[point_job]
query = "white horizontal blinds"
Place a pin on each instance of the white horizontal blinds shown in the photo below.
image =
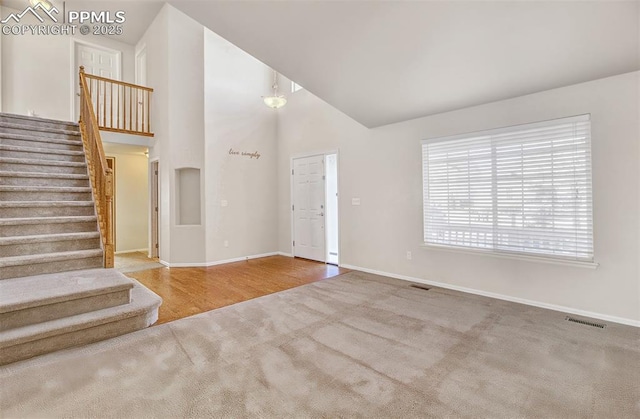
(543, 191)
(524, 189)
(458, 194)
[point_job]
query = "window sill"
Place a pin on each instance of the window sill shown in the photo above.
(527, 258)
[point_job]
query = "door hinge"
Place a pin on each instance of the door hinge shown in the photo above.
(156, 172)
(156, 245)
(293, 207)
(323, 177)
(294, 243)
(156, 209)
(291, 172)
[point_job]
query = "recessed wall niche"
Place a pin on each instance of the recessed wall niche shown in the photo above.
(188, 196)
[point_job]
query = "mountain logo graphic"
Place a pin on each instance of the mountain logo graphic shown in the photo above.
(34, 11)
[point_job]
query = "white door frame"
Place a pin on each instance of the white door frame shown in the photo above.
(327, 255)
(74, 69)
(139, 52)
(291, 200)
(154, 196)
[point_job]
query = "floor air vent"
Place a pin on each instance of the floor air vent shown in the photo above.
(586, 323)
(420, 287)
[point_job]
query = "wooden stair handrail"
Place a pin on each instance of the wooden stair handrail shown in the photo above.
(120, 106)
(100, 175)
(121, 83)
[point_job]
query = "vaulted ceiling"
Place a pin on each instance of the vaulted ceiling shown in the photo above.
(382, 62)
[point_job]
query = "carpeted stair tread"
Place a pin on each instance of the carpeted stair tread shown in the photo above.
(75, 176)
(43, 238)
(48, 257)
(35, 119)
(36, 204)
(39, 290)
(20, 188)
(39, 139)
(47, 220)
(40, 150)
(62, 207)
(143, 302)
(32, 128)
(40, 162)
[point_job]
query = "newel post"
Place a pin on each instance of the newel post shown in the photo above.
(108, 247)
(81, 76)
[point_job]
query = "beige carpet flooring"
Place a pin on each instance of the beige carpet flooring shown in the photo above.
(358, 345)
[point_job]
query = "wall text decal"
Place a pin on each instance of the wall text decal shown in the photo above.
(254, 155)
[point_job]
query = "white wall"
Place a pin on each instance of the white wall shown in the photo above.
(185, 147)
(383, 167)
(175, 66)
(236, 118)
(132, 200)
(207, 100)
(1, 37)
(37, 72)
(156, 40)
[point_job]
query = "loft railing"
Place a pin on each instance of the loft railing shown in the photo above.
(119, 106)
(101, 176)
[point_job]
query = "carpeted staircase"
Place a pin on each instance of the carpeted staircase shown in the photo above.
(47, 217)
(48, 227)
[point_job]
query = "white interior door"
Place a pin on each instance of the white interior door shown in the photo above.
(309, 208)
(141, 80)
(99, 62)
(141, 67)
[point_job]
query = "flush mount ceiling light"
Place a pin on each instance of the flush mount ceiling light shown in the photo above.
(44, 3)
(275, 101)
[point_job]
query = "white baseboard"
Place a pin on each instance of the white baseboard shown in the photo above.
(289, 255)
(217, 262)
(119, 252)
(606, 317)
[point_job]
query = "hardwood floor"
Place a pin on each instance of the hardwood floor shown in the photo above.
(189, 291)
(135, 261)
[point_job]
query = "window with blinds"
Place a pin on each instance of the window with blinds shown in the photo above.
(523, 190)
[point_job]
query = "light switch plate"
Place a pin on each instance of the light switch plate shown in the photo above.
(224, 203)
(355, 201)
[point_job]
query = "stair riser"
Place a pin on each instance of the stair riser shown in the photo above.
(35, 229)
(10, 119)
(43, 181)
(18, 167)
(48, 247)
(50, 267)
(46, 134)
(30, 212)
(44, 196)
(42, 156)
(63, 309)
(41, 144)
(77, 338)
